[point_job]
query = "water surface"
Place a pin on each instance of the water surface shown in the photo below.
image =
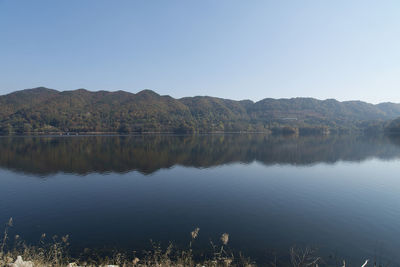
(338, 194)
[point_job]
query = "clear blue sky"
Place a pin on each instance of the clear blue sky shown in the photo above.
(246, 49)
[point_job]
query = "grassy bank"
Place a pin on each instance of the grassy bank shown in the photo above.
(54, 251)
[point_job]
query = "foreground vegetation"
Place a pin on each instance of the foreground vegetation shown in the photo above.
(43, 110)
(53, 252)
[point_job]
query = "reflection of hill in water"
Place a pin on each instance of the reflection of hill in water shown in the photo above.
(147, 154)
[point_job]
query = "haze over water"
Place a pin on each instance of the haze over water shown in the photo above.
(337, 193)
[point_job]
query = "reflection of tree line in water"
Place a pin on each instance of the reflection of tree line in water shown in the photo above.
(148, 153)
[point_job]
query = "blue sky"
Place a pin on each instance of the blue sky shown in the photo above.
(245, 49)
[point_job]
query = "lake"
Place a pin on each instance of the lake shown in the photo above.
(338, 194)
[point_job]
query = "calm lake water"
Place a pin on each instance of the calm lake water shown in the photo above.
(338, 194)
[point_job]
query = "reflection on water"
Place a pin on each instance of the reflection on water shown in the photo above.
(340, 194)
(147, 154)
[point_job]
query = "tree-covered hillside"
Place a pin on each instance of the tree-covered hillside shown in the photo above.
(43, 110)
(393, 127)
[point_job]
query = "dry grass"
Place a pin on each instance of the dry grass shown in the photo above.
(47, 253)
(54, 252)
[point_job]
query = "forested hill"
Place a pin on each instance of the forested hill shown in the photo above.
(393, 127)
(46, 110)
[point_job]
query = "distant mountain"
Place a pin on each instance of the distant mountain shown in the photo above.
(43, 110)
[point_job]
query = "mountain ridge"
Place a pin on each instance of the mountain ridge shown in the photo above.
(48, 110)
(43, 88)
